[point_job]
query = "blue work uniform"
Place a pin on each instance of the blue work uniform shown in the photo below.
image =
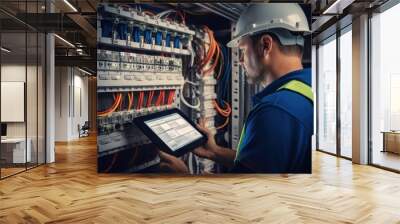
(276, 137)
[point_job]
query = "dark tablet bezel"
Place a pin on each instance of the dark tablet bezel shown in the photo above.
(140, 123)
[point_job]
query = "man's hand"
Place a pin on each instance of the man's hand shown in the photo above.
(172, 164)
(209, 149)
(212, 151)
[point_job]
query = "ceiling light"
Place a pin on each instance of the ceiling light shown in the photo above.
(86, 72)
(331, 7)
(70, 5)
(5, 50)
(65, 41)
(338, 6)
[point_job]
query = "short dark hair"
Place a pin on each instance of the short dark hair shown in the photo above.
(286, 49)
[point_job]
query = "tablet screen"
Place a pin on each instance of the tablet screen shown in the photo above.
(173, 130)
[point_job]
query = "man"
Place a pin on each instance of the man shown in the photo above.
(276, 137)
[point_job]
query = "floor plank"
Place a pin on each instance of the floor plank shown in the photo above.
(70, 191)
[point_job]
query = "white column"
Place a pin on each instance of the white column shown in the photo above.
(360, 90)
(314, 88)
(50, 92)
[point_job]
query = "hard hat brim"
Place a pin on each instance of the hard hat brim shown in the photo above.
(234, 42)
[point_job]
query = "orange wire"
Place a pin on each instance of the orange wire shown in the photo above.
(120, 104)
(209, 71)
(149, 13)
(224, 124)
(130, 96)
(111, 107)
(224, 112)
(211, 49)
(117, 101)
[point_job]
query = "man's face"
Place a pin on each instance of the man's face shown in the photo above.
(251, 60)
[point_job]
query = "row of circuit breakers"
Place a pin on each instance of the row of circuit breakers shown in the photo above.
(140, 67)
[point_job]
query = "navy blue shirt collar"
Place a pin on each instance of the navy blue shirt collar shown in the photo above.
(303, 75)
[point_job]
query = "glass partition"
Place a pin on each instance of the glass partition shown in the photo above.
(22, 88)
(346, 93)
(385, 89)
(327, 96)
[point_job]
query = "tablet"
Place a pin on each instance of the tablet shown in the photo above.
(171, 131)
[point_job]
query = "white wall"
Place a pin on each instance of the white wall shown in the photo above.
(61, 104)
(71, 102)
(13, 73)
(80, 110)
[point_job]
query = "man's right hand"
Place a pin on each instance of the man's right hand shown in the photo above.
(212, 151)
(209, 149)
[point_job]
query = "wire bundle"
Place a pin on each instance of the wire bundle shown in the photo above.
(223, 81)
(223, 85)
(168, 14)
(118, 102)
(212, 55)
(114, 106)
(223, 112)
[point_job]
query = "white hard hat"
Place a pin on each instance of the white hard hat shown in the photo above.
(282, 19)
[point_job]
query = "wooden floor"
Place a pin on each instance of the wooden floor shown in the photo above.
(70, 191)
(10, 171)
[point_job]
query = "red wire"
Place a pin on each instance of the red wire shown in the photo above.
(138, 104)
(160, 99)
(132, 99)
(150, 99)
(163, 97)
(140, 101)
(171, 97)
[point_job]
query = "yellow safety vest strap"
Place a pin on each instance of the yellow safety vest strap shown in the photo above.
(299, 87)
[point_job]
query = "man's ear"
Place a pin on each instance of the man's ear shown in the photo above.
(265, 44)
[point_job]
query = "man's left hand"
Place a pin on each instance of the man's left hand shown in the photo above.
(172, 164)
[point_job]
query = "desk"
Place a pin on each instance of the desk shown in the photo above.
(13, 150)
(391, 141)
